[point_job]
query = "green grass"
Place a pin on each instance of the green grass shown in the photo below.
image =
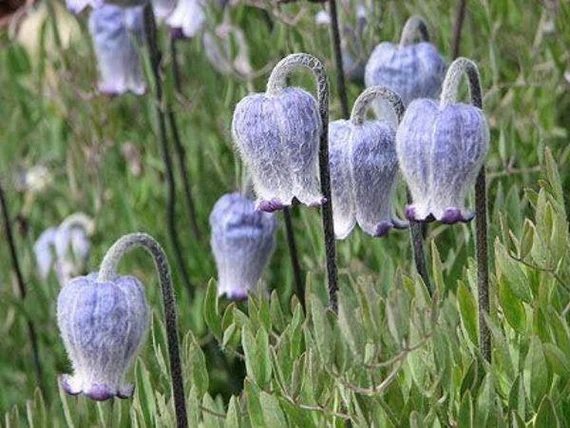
(309, 374)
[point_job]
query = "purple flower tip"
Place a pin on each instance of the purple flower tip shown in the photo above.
(100, 392)
(65, 385)
(383, 228)
(270, 206)
(454, 215)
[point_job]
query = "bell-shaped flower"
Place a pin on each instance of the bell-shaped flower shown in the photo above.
(187, 19)
(242, 241)
(116, 32)
(277, 134)
(412, 70)
(102, 325)
(441, 148)
(364, 169)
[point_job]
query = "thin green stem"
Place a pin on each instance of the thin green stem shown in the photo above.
(108, 271)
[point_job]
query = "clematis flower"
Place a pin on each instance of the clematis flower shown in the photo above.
(412, 70)
(102, 325)
(64, 248)
(441, 149)
(243, 240)
(116, 32)
(364, 168)
(278, 137)
(188, 18)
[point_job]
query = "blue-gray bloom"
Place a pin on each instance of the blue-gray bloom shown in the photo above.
(102, 325)
(242, 240)
(278, 137)
(77, 6)
(364, 169)
(116, 32)
(412, 70)
(188, 18)
(441, 149)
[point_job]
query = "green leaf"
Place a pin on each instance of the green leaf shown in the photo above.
(536, 372)
(527, 239)
(469, 312)
(546, 416)
(511, 273)
(277, 317)
(517, 396)
(437, 269)
(321, 329)
(465, 417)
(144, 393)
(197, 368)
(559, 361)
(552, 175)
(255, 411)
(211, 311)
(272, 412)
(512, 308)
(233, 418)
(257, 356)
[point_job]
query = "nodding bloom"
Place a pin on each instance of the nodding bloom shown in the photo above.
(65, 248)
(364, 169)
(441, 148)
(77, 6)
(243, 240)
(277, 134)
(162, 8)
(412, 70)
(188, 18)
(102, 325)
(116, 32)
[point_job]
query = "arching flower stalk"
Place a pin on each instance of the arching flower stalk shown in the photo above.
(243, 240)
(70, 243)
(364, 169)
(103, 318)
(9, 236)
(116, 31)
(441, 149)
(282, 136)
(412, 70)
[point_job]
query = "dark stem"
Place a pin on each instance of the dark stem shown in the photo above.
(358, 116)
(108, 270)
(21, 286)
(458, 26)
(336, 44)
(154, 53)
(299, 286)
(179, 147)
(276, 82)
(455, 72)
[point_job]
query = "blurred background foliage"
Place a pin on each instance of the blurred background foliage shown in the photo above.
(394, 356)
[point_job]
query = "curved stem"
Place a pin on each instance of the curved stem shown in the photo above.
(459, 19)
(79, 219)
(336, 45)
(150, 30)
(358, 116)
(364, 102)
(449, 95)
(108, 270)
(277, 81)
(414, 27)
(21, 286)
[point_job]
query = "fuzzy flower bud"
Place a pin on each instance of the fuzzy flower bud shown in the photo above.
(441, 148)
(242, 240)
(412, 70)
(102, 325)
(364, 168)
(187, 19)
(115, 32)
(277, 135)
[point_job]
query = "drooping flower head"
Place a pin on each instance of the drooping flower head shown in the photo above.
(116, 32)
(412, 70)
(277, 134)
(364, 168)
(102, 324)
(441, 148)
(188, 18)
(64, 248)
(242, 241)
